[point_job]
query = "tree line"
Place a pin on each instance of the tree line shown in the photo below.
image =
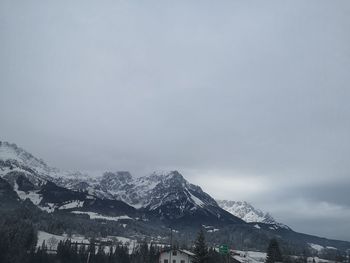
(18, 244)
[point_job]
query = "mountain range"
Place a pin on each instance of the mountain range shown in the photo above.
(144, 207)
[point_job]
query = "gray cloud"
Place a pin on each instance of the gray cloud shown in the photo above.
(254, 95)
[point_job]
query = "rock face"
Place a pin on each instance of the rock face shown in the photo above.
(248, 213)
(166, 195)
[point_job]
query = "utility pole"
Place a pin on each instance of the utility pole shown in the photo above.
(171, 243)
(171, 238)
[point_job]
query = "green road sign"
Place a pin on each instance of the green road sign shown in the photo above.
(223, 249)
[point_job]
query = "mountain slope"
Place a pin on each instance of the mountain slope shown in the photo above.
(248, 213)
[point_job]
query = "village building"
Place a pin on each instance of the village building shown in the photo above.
(176, 256)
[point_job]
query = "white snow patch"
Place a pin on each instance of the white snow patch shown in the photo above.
(187, 252)
(73, 204)
(318, 260)
(213, 230)
(316, 247)
(52, 240)
(33, 196)
(328, 247)
(94, 215)
(49, 207)
(257, 226)
(196, 200)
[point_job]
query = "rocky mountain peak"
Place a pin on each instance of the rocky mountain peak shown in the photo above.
(247, 212)
(120, 177)
(10, 153)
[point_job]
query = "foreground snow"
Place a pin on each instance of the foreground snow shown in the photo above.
(249, 256)
(51, 240)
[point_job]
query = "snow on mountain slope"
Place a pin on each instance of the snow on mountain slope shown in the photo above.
(166, 195)
(15, 160)
(248, 213)
(11, 152)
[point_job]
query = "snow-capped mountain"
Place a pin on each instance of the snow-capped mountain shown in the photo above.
(164, 195)
(148, 191)
(143, 205)
(248, 213)
(32, 179)
(20, 159)
(167, 195)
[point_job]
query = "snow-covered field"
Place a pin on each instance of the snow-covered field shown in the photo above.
(259, 257)
(318, 260)
(94, 215)
(73, 204)
(316, 247)
(249, 256)
(52, 240)
(31, 195)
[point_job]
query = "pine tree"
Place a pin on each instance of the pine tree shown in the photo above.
(200, 248)
(214, 256)
(273, 252)
(17, 239)
(82, 254)
(100, 255)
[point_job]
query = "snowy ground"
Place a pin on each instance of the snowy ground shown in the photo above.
(318, 260)
(259, 257)
(94, 215)
(249, 256)
(52, 240)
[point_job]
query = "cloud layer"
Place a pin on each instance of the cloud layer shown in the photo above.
(248, 100)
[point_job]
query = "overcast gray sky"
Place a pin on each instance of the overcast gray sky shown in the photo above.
(249, 99)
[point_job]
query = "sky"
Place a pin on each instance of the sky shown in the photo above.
(248, 99)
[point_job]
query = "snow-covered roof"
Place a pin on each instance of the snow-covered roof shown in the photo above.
(189, 253)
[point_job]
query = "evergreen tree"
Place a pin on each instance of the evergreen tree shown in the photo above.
(100, 256)
(200, 248)
(153, 254)
(17, 239)
(82, 254)
(144, 253)
(215, 257)
(110, 258)
(40, 256)
(121, 254)
(273, 252)
(91, 251)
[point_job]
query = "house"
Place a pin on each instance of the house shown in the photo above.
(176, 256)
